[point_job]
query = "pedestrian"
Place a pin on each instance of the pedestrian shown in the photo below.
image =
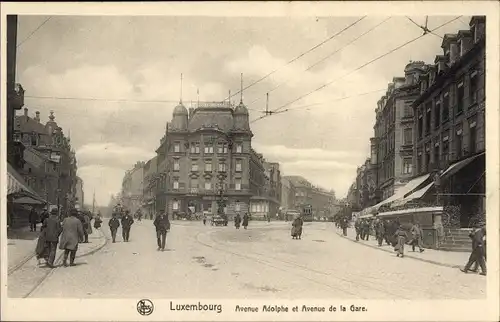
(44, 215)
(237, 221)
(88, 226)
(245, 221)
(297, 228)
(127, 222)
(97, 221)
(204, 219)
(162, 225)
(478, 250)
(268, 218)
(72, 234)
(387, 231)
(113, 224)
(52, 229)
(416, 232)
(366, 229)
(357, 227)
(379, 231)
(344, 223)
(33, 219)
(401, 237)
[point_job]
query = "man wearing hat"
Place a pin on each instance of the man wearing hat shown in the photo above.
(52, 229)
(72, 234)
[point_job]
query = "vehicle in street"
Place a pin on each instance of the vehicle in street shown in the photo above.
(217, 220)
(291, 214)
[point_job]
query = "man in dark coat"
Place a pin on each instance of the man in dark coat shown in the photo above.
(357, 227)
(387, 231)
(127, 222)
(52, 229)
(237, 221)
(343, 224)
(113, 224)
(401, 237)
(379, 231)
(245, 221)
(72, 234)
(33, 219)
(478, 251)
(162, 225)
(366, 229)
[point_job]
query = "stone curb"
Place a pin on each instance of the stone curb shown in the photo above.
(409, 256)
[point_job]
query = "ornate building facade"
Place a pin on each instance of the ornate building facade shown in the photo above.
(205, 150)
(133, 188)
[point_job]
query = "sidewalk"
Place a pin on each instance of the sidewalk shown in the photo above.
(438, 257)
(27, 276)
(21, 244)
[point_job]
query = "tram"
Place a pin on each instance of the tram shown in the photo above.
(307, 213)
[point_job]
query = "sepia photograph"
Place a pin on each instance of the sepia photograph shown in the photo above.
(177, 161)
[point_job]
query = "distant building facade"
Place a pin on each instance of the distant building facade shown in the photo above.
(80, 199)
(287, 194)
(321, 201)
(149, 187)
(132, 188)
(393, 140)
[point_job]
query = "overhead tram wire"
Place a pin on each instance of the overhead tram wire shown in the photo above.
(306, 107)
(425, 28)
(326, 57)
(33, 32)
(299, 56)
(100, 99)
(362, 66)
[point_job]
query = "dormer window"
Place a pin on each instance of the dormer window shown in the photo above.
(473, 31)
(460, 48)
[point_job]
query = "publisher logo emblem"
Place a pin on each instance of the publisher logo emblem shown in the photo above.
(145, 307)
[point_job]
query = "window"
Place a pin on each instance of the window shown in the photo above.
(222, 167)
(239, 148)
(222, 148)
(472, 137)
(176, 165)
(458, 143)
(436, 154)
(407, 136)
(194, 183)
(237, 184)
(209, 148)
(238, 165)
(473, 87)
(446, 106)
(408, 111)
(446, 151)
(437, 114)
(194, 165)
(176, 184)
(208, 165)
(195, 148)
(420, 126)
(407, 166)
(177, 147)
(208, 185)
(428, 118)
(175, 205)
(460, 97)
(34, 140)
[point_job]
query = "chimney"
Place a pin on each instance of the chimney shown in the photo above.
(25, 111)
(37, 116)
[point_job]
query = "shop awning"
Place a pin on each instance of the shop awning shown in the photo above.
(414, 196)
(401, 192)
(19, 189)
(455, 167)
(28, 200)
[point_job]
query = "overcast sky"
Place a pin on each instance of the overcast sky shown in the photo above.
(141, 58)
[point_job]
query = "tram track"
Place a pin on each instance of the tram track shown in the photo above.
(300, 270)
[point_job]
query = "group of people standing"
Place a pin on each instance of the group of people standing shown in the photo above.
(391, 231)
(68, 233)
(238, 221)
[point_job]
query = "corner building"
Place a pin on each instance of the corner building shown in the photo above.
(204, 150)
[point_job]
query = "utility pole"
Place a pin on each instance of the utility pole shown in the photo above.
(93, 203)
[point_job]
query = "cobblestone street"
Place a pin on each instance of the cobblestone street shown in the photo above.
(263, 261)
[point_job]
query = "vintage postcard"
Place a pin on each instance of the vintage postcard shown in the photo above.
(250, 161)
